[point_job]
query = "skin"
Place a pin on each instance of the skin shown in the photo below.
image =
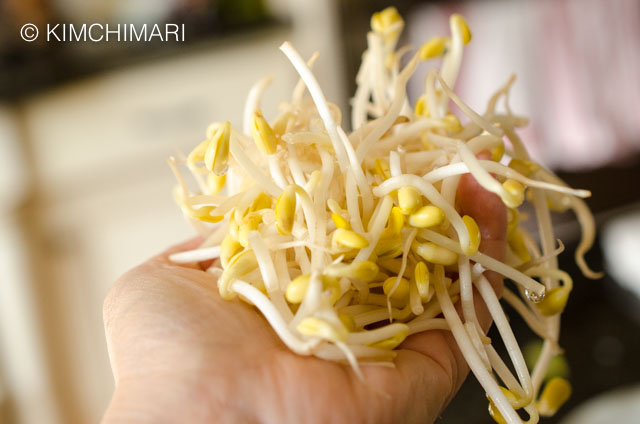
(180, 353)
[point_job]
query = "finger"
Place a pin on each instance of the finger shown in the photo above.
(487, 210)
(418, 386)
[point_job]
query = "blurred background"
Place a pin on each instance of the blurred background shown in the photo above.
(85, 192)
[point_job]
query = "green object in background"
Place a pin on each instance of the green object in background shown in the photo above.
(559, 367)
(238, 12)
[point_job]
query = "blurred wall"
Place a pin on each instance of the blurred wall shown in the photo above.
(577, 64)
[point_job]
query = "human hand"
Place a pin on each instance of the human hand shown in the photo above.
(180, 353)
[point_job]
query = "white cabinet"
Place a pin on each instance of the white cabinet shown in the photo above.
(101, 196)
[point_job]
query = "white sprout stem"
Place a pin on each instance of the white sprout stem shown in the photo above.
(527, 315)
(363, 290)
(353, 208)
(487, 261)
(553, 323)
(205, 200)
(474, 336)
(243, 204)
(417, 161)
(346, 297)
(469, 131)
(542, 365)
(319, 99)
(510, 121)
(381, 300)
(503, 371)
(482, 122)
(253, 101)
(466, 292)
(510, 272)
(269, 275)
(453, 58)
(216, 236)
(309, 138)
(408, 132)
(380, 314)
(387, 120)
(546, 232)
(298, 90)
(310, 303)
(294, 167)
(502, 170)
(406, 248)
(372, 336)
(351, 358)
(266, 307)
(358, 309)
(585, 218)
(333, 353)
(302, 259)
(431, 97)
(298, 243)
(320, 202)
(374, 216)
(469, 352)
(282, 269)
(360, 133)
(480, 173)
(276, 172)
(510, 342)
(427, 325)
(518, 146)
(234, 201)
(502, 91)
(181, 158)
(484, 142)
(431, 311)
(542, 271)
(449, 188)
(415, 302)
(397, 61)
(309, 213)
(360, 99)
(327, 173)
(395, 165)
(534, 415)
(376, 74)
(355, 169)
(376, 228)
(587, 224)
(184, 191)
(446, 171)
(196, 255)
(430, 193)
(252, 169)
(319, 253)
(442, 141)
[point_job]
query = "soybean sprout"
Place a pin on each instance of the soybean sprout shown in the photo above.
(348, 243)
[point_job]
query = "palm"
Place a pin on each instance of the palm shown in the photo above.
(166, 321)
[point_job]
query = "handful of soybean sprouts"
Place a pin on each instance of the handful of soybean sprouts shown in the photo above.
(348, 243)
